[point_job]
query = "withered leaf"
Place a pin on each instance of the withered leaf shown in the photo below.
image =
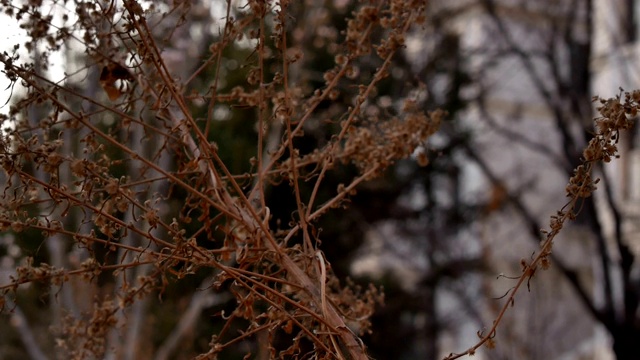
(111, 73)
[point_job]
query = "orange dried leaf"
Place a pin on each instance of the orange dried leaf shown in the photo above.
(109, 75)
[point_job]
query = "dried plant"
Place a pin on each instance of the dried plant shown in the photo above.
(113, 176)
(616, 115)
(111, 172)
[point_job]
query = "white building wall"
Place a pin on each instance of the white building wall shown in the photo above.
(617, 65)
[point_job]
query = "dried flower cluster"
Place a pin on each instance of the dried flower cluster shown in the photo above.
(116, 182)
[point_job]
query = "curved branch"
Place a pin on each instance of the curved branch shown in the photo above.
(534, 230)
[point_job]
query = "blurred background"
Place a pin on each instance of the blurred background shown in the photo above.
(517, 79)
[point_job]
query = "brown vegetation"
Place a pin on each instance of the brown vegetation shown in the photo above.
(122, 192)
